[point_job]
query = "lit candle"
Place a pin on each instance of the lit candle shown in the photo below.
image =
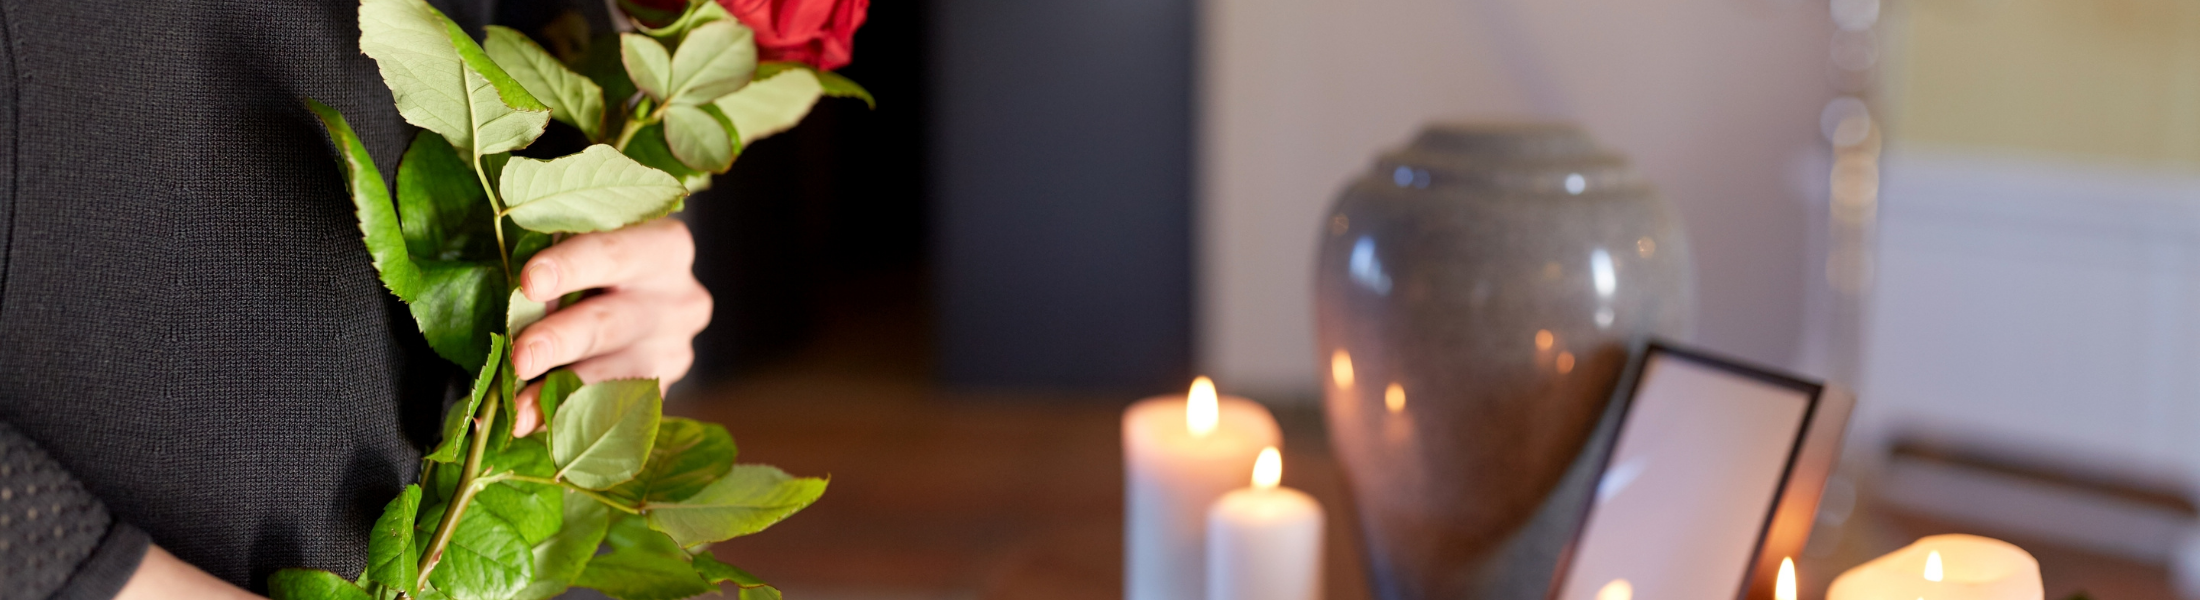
(1784, 589)
(1265, 542)
(1180, 453)
(1945, 567)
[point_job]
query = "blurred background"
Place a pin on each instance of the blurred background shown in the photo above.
(1980, 214)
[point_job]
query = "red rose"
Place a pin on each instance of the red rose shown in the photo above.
(819, 32)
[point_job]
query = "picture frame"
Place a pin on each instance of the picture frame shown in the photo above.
(1712, 476)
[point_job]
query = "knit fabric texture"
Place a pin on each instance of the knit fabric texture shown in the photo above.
(48, 523)
(189, 324)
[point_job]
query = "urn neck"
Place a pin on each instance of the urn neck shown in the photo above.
(1539, 159)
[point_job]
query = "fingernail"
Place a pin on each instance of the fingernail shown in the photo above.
(541, 279)
(536, 351)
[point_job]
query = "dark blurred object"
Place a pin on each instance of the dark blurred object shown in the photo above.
(1063, 154)
(1476, 294)
(810, 212)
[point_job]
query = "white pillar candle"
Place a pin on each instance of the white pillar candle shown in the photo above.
(1945, 567)
(1179, 454)
(1265, 542)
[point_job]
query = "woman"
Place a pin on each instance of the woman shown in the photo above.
(201, 378)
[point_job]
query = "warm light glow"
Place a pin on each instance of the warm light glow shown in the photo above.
(1785, 588)
(1202, 409)
(1340, 368)
(1932, 566)
(1544, 339)
(1395, 398)
(1618, 589)
(1565, 363)
(1268, 469)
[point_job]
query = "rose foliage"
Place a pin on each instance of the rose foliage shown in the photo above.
(609, 494)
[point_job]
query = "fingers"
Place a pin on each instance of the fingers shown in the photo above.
(657, 250)
(597, 325)
(606, 324)
(667, 362)
(527, 410)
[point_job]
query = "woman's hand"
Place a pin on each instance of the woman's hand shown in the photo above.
(162, 576)
(643, 324)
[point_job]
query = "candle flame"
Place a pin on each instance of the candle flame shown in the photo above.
(1202, 409)
(1268, 469)
(1785, 588)
(1932, 566)
(1340, 368)
(1618, 589)
(1395, 398)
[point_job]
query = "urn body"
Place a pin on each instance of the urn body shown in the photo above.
(1477, 293)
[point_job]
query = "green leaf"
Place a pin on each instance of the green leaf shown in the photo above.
(445, 214)
(459, 307)
(746, 500)
(443, 82)
(555, 388)
(699, 140)
(642, 565)
(425, 524)
(378, 222)
(437, 486)
(715, 59)
(525, 244)
(697, 13)
(560, 559)
(648, 148)
(771, 104)
(535, 510)
(604, 65)
(508, 384)
(603, 432)
(631, 576)
(842, 87)
(485, 560)
(391, 558)
(772, 68)
(597, 189)
(647, 14)
(687, 456)
(573, 99)
(751, 587)
(647, 63)
(521, 312)
(461, 414)
(312, 584)
(718, 572)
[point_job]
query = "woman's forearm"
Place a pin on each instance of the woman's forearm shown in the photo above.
(161, 576)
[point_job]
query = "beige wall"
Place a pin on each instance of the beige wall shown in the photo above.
(2094, 81)
(1716, 100)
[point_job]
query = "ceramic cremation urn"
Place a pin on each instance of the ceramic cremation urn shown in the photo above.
(1477, 294)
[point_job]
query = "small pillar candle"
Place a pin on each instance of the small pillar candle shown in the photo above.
(1180, 453)
(1265, 542)
(1945, 567)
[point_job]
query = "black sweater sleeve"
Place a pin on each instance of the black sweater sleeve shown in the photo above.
(56, 540)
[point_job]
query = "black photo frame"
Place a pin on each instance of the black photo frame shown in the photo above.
(1785, 519)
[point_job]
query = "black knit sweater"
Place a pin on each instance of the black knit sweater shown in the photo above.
(193, 344)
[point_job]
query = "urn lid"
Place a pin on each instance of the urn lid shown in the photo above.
(1532, 157)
